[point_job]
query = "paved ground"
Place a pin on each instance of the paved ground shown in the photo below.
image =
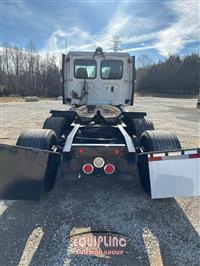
(161, 232)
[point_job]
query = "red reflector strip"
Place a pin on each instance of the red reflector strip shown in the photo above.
(158, 158)
(193, 156)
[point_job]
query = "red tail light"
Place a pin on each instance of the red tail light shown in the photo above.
(88, 168)
(117, 151)
(109, 169)
(82, 150)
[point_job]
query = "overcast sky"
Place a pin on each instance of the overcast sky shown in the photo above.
(155, 28)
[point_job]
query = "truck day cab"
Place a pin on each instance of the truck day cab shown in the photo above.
(95, 134)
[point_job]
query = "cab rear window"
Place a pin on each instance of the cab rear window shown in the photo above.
(111, 69)
(85, 68)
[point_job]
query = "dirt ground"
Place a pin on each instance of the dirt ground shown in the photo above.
(158, 232)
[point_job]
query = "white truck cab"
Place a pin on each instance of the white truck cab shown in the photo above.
(98, 78)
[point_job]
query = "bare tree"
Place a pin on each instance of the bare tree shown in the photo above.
(16, 55)
(144, 61)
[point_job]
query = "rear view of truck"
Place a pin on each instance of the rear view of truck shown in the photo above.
(96, 134)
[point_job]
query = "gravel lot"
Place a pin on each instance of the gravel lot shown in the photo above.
(160, 232)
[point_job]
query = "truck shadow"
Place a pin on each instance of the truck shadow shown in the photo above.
(92, 206)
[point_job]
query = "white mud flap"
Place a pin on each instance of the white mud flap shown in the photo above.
(174, 173)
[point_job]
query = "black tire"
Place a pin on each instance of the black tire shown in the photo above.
(140, 125)
(43, 139)
(58, 125)
(156, 140)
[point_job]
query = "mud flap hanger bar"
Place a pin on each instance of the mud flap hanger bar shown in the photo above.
(70, 138)
(128, 140)
(174, 152)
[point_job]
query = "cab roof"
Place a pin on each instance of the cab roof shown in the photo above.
(116, 54)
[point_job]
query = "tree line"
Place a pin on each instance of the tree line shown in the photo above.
(25, 72)
(174, 75)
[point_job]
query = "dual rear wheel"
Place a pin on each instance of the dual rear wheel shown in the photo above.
(54, 128)
(136, 126)
(59, 125)
(154, 140)
(140, 125)
(43, 139)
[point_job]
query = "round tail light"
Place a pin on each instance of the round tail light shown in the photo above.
(109, 169)
(88, 168)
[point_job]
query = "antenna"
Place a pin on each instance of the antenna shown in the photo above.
(116, 42)
(65, 45)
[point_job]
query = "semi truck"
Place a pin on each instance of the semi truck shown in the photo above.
(98, 133)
